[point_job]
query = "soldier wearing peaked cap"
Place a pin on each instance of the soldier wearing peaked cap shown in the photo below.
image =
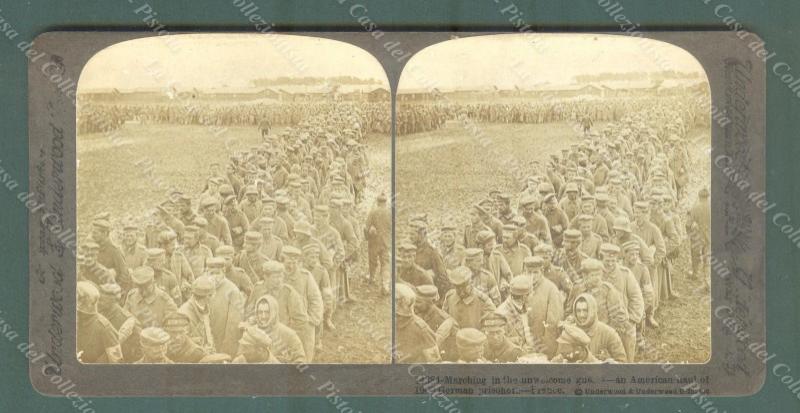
(466, 304)
(194, 250)
(536, 223)
(573, 346)
(481, 278)
(407, 269)
(250, 258)
(154, 342)
(163, 277)
(235, 274)
(475, 226)
(88, 267)
(426, 256)
(303, 282)
(512, 250)
(494, 261)
(147, 302)
(97, 340)
(123, 321)
(499, 348)
(197, 311)
(181, 348)
(108, 254)
(416, 342)
(133, 252)
(471, 344)
(571, 203)
(217, 224)
(545, 305)
(451, 251)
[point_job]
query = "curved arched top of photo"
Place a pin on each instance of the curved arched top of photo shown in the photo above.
(550, 61)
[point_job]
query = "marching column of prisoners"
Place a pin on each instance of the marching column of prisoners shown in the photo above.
(254, 267)
(576, 265)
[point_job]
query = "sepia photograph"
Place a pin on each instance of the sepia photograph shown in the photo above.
(233, 202)
(553, 202)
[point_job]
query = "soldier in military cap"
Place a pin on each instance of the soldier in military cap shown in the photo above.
(481, 278)
(499, 349)
(536, 223)
(133, 252)
(210, 241)
(217, 224)
(255, 347)
(250, 258)
(416, 342)
(251, 205)
(515, 311)
(235, 274)
(557, 220)
(311, 263)
(164, 278)
(347, 233)
(407, 269)
(271, 245)
(303, 282)
(196, 253)
(176, 261)
(98, 341)
(452, 253)
(573, 255)
(551, 271)
(465, 303)
(226, 308)
(573, 346)
(504, 212)
(513, 251)
(91, 270)
(332, 241)
(197, 312)
(154, 342)
(443, 326)
(494, 261)
(623, 280)
(545, 306)
(378, 232)
(123, 321)
(571, 204)
(590, 241)
(475, 226)
(471, 344)
(146, 301)
(698, 222)
(108, 254)
(238, 223)
(426, 256)
(181, 348)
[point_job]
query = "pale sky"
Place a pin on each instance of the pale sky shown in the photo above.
(215, 60)
(525, 60)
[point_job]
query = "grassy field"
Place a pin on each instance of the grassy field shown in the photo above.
(128, 178)
(443, 172)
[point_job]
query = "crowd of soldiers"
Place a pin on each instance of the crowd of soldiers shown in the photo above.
(572, 268)
(250, 270)
(106, 117)
(424, 117)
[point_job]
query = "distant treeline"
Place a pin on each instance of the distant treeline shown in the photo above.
(662, 75)
(313, 80)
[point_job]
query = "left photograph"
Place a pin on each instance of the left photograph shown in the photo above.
(233, 202)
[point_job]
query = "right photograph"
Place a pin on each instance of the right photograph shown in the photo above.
(552, 202)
